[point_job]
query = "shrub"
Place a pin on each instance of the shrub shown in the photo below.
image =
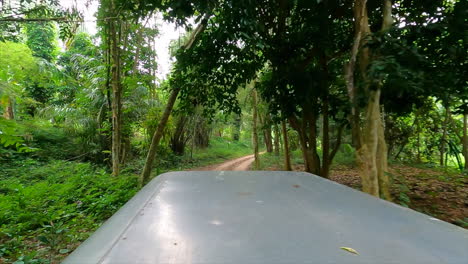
(37, 197)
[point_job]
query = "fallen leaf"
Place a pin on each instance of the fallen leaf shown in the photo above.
(350, 250)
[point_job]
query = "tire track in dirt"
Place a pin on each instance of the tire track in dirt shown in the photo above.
(239, 164)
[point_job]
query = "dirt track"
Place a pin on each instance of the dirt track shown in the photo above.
(239, 164)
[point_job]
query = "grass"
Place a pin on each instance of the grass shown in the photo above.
(221, 150)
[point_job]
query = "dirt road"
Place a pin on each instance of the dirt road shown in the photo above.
(239, 164)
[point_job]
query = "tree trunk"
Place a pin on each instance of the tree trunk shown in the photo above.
(367, 154)
(201, 133)
(266, 131)
(254, 129)
(443, 140)
(418, 139)
(236, 128)
(9, 113)
(268, 139)
(179, 138)
(145, 175)
(116, 95)
(312, 151)
(326, 162)
(300, 127)
(382, 151)
(287, 157)
(336, 147)
(382, 163)
(465, 138)
(276, 140)
(306, 129)
(371, 152)
(137, 51)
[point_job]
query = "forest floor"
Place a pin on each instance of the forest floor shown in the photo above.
(440, 193)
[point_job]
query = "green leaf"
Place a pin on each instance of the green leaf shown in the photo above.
(43, 239)
(350, 250)
(64, 251)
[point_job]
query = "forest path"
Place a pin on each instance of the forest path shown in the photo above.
(239, 164)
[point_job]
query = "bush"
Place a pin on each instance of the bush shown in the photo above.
(37, 200)
(37, 138)
(345, 155)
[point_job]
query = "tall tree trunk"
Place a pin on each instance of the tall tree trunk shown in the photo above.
(382, 151)
(9, 113)
(267, 138)
(287, 157)
(146, 173)
(465, 138)
(443, 140)
(236, 128)
(179, 138)
(382, 163)
(312, 137)
(307, 131)
(367, 154)
(418, 138)
(336, 147)
(326, 162)
(116, 94)
(371, 150)
(254, 129)
(137, 51)
(276, 140)
(201, 133)
(300, 126)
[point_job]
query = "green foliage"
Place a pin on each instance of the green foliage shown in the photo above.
(223, 149)
(37, 136)
(346, 155)
(403, 197)
(42, 40)
(12, 137)
(17, 64)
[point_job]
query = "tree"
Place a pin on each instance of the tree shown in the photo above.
(112, 41)
(287, 156)
(370, 141)
(255, 126)
(42, 39)
(167, 111)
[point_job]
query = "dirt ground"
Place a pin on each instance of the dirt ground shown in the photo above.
(239, 164)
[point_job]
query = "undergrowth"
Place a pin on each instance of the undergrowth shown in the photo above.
(46, 208)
